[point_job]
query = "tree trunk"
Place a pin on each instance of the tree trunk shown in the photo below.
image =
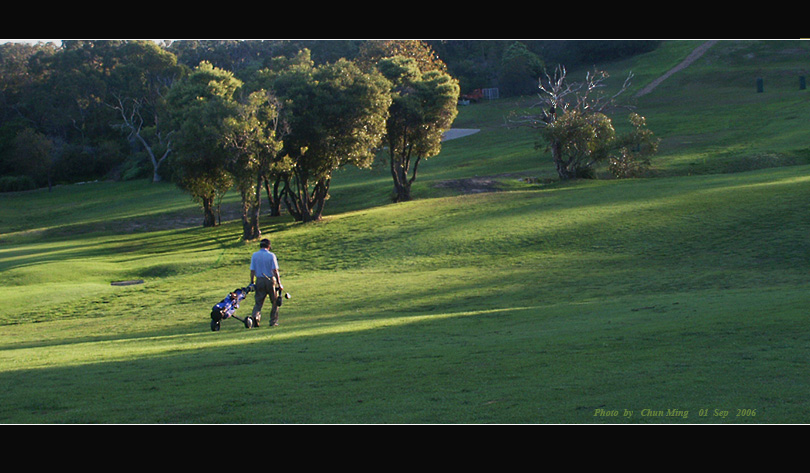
(296, 197)
(402, 186)
(309, 206)
(155, 162)
(274, 197)
(562, 167)
(290, 200)
(303, 205)
(400, 166)
(156, 177)
(251, 209)
(319, 196)
(250, 225)
(209, 217)
(402, 192)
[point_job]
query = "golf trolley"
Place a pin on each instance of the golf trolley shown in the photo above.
(228, 306)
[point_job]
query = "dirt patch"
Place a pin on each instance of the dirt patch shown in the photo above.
(477, 185)
(131, 282)
(171, 221)
(472, 185)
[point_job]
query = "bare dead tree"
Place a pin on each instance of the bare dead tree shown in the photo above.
(559, 97)
(133, 122)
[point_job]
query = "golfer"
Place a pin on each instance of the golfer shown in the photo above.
(264, 269)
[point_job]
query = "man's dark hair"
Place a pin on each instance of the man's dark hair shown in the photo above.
(265, 243)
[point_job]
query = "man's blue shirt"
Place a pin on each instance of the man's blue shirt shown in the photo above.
(263, 262)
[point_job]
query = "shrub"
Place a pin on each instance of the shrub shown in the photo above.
(17, 183)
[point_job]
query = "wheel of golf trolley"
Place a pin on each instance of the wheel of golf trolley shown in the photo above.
(215, 325)
(248, 322)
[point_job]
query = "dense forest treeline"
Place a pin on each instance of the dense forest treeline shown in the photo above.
(63, 117)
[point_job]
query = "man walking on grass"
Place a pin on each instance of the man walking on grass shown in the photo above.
(264, 269)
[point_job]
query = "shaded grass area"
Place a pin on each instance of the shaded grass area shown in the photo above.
(96, 207)
(554, 363)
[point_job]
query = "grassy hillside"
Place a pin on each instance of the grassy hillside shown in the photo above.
(542, 303)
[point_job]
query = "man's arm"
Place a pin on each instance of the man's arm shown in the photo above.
(278, 277)
(252, 276)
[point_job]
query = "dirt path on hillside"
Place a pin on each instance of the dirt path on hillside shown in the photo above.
(692, 57)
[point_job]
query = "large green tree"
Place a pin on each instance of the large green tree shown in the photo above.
(577, 141)
(283, 69)
(519, 70)
(373, 51)
(251, 140)
(200, 105)
(424, 105)
(37, 153)
(336, 115)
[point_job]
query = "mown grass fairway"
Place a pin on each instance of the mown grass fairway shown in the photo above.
(680, 298)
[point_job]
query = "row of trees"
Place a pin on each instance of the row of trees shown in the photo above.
(67, 96)
(280, 124)
(75, 101)
(288, 127)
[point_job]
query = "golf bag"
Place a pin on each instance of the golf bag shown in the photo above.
(228, 306)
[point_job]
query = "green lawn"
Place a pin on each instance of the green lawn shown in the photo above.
(680, 298)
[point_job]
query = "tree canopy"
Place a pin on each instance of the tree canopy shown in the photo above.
(200, 106)
(424, 105)
(336, 115)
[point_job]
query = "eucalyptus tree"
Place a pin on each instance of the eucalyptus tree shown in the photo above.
(424, 105)
(138, 85)
(336, 115)
(200, 105)
(253, 145)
